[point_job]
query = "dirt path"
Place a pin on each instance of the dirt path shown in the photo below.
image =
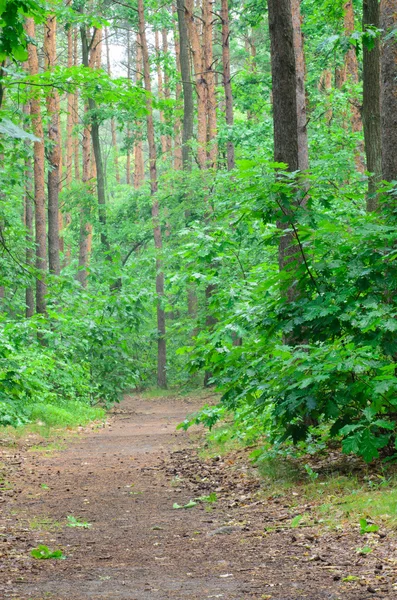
(124, 480)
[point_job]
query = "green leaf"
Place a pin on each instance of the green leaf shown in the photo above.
(190, 504)
(44, 553)
(20, 53)
(73, 522)
(296, 521)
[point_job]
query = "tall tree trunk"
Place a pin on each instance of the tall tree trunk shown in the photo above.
(112, 121)
(70, 117)
(351, 73)
(209, 74)
(29, 222)
(94, 44)
(201, 84)
(227, 81)
(188, 103)
(128, 161)
(288, 134)
(139, 165)
(160, 91)
(178, 161)
(161, 344)
(76, 109)
(300, 71)
(54, 152)
(85, 213)
(371, 104)
(388, 22)
(39, 179)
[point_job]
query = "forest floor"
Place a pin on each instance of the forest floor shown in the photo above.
(123, 477)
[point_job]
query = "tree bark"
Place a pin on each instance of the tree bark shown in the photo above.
(160, 91)
(371, 105)
(209, 74)
(388, 22)
(70, 117)
(287, 116)
(139, 165)
(29, 222)
(178, 160)
(39, 179)
(161, 327)
(54, 152)
(300, 70)
(76, 109)
(128, 161)
(284, 78)
(199, 72)
(227, 80)
(188, 103)
(351, 73)
(85, 213)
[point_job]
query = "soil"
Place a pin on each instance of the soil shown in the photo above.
(124, 478)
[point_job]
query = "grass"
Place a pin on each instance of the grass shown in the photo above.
(44, 524)
(48, 419)
(177, 392)
(48, 449)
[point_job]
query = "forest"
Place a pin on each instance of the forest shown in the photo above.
(198, 299)
(202, 194)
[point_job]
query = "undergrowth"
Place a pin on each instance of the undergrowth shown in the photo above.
(339, 490)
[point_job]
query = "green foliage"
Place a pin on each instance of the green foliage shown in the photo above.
(13, 40)
(190, 504)
(367, 528)
(44, 553)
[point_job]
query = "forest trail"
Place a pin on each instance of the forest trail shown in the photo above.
(124, 479)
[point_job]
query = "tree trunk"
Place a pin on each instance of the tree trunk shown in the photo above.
(351, 73)
(160, 92)
(54, 152)
(161, 344)
(128, 161)
(288, 135)
(388, 22)
(39, 179)
(85, 213)
(139, 170)
(303, 148)
(29, 220)
(70, 117)
(188, 104)
(209, 75)
(227, 82)
(371, 105)
(112, 121)
(96, 142)
(178, 161)
(76, 109)
(199, 71)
